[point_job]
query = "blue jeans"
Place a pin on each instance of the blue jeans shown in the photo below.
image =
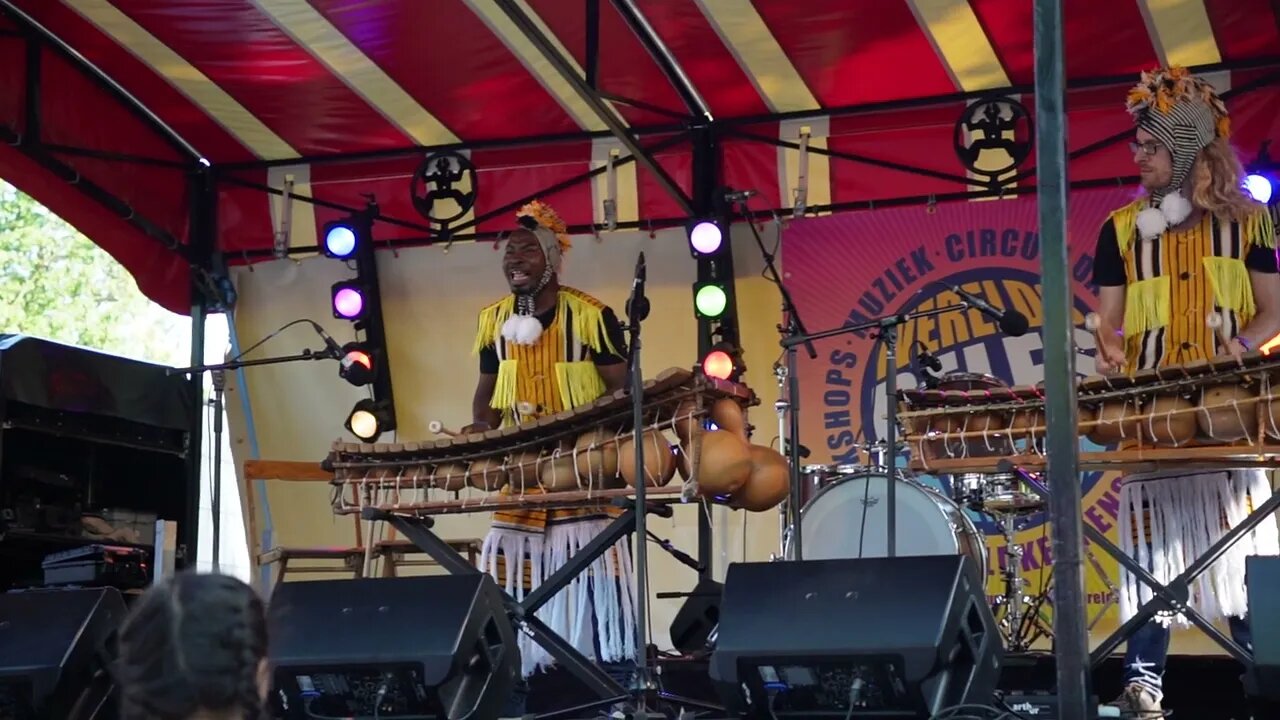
(622, 673)
(1147, 650)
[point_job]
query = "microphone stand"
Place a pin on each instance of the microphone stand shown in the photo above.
(218, 376)
(637, 311)
(888, 329)
(794, 327)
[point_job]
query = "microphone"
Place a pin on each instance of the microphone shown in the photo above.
(638, 304)
(335, 350)
(926, 363)
(929, 360)
(1011, 322)
(734, 196)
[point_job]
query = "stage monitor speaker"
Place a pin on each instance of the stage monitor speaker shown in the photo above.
(697, 618)
(51, 644)
(437, 646)
(1262, 583)
(860, 638)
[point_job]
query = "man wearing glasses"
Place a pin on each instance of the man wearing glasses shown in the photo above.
(1194, 244)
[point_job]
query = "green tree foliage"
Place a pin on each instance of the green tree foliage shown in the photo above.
(57, 284)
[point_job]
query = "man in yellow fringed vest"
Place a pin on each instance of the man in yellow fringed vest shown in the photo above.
(544, 349)
(1193, 245)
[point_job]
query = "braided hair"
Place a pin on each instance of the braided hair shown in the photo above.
(193, 644)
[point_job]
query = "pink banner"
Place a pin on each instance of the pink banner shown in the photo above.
(848, 268)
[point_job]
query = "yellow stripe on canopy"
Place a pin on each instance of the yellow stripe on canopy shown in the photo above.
(198, 87)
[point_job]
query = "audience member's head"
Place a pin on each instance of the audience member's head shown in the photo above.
(194, 647)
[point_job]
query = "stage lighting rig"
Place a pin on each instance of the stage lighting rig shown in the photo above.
(359, 301)
(714, 304)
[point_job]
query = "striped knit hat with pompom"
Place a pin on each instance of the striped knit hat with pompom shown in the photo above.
(1185, 114)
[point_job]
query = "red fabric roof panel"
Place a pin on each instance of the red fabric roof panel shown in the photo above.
(240, 84)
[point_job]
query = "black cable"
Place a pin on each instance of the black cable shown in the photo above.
(976, 711)
(282, 328)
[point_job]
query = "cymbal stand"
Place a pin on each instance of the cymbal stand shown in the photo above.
(637, 310)
(1014, 584)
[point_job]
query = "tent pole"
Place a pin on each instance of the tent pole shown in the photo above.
(202, 233)
(1069, 621)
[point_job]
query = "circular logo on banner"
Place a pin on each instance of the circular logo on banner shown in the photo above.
(965, 341)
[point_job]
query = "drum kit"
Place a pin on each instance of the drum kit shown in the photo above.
(843, 515)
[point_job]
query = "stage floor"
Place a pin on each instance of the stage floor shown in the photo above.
(1196, 687)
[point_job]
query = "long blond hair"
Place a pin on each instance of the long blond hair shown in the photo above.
(1216, 183)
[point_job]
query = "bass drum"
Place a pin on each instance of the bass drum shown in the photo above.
(849, 519)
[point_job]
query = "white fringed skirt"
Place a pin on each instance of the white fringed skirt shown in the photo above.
(1168, 521)
(596, 607)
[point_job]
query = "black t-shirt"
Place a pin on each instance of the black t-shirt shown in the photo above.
(1109, 269)
(612, 328)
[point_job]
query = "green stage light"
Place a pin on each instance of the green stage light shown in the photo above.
(710, 300)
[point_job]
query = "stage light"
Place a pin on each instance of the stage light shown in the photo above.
(1259, 186)
(340, 238)
(705, 237)
(710, 299)
(357, 364)
(369, 419)
(718, 364)
(348, 300)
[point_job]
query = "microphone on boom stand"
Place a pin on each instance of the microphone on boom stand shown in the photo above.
(1011, 322)
(637, 311)
(792, 328)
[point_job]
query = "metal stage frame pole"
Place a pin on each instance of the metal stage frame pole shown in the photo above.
(1069, 617)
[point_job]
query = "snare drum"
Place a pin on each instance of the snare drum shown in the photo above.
(813, 478)
(994, 492)
(848, 519)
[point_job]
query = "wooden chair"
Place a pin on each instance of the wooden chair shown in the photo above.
(341, 559)
(395, 553)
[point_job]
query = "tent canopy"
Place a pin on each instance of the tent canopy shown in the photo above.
(161, 129)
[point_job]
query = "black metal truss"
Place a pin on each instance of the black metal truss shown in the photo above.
(734, 127)
(589, 95)
(37, 41)
(95, 192)
(429, 234)
(35, 30)
(662, 56)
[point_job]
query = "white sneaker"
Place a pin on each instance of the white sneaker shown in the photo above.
(1139, 703)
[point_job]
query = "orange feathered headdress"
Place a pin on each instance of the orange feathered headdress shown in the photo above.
(539, 215)
(1162, 89)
